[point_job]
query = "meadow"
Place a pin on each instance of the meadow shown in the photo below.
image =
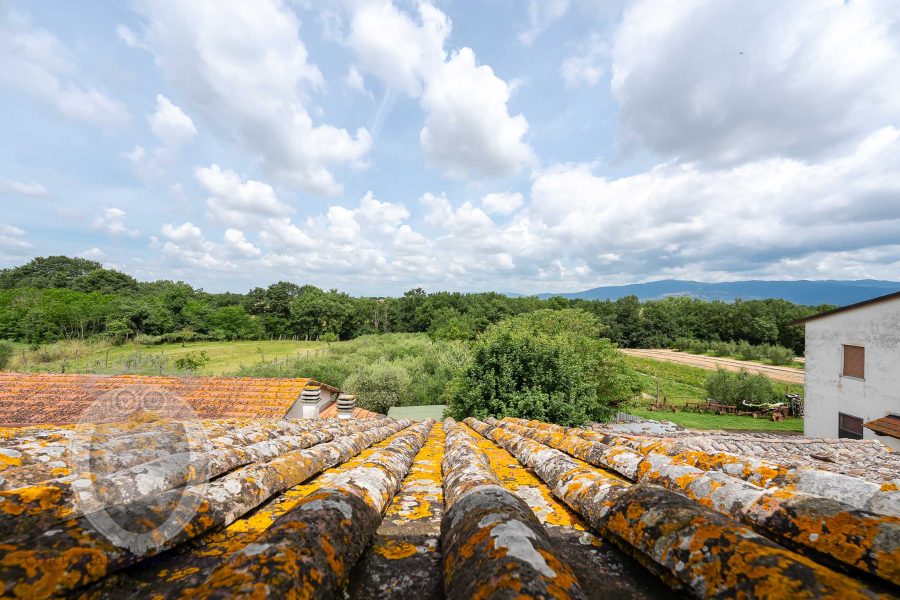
(222, 358)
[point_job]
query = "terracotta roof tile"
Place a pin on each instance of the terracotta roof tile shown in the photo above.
(41, 399)
(889, 425)
(378, 508)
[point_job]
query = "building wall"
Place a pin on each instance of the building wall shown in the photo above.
(876, 327)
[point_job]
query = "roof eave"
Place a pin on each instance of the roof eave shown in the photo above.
(828, 313)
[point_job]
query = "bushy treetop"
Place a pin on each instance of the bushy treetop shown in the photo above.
(550, 365)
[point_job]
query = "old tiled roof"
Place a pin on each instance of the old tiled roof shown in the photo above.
(868, 459)
(379, 508)
(889, 425)
(43, 399)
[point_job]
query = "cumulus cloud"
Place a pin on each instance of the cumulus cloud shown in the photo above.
(113, 222)
(391, 46)
(12, 237)
(501, 203)
(28, 189)
(237, 243)
(92, 253)
(233, 201)
(355, 80)
(729, 82)
(185, 245)
(173, 128)
(678, 218)
(542, 14)
(769, 218)
(251, 84)
(170, 124)
(35, 61)
(589, 66)
(468, 130)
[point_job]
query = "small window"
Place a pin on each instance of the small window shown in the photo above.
(850, 427)
(854, 362)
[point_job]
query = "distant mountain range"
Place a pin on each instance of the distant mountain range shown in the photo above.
(813, 293)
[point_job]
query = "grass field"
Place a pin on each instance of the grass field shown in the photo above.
(727, 422)
(683, 383)
(224, 357)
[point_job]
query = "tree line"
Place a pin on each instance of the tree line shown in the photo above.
(58, 297)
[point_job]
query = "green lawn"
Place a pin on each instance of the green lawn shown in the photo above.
(225, 357)
(683, 383)
(710, 421)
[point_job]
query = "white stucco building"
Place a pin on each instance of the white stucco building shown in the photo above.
(852, 381)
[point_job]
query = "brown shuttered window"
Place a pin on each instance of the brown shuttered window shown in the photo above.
(850, 427)
(854, 362)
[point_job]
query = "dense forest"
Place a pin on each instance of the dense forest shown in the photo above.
(57, 297)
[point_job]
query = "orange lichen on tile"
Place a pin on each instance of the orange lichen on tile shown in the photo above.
(524, 484)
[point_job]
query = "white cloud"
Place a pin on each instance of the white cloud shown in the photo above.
(92, 253)
(173, 128)
(355, 80)
(233, 201)
(502, 203)
(770, 218)
(28, 189)
(251, 84)
(468, 129)
(542, 14)
(113, 222)
(185, 245)
(239, 245)
(732, 81)
(186, 233)
(12, 237)
(35, 61)
(170, 124)
(589, 66)
(400, 52)
(682, 219)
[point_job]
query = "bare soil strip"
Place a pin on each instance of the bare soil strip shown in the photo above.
(785, 374)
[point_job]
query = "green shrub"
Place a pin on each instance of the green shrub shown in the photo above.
(379, 386)
(6, 353)
(699, 347)
(682, 344)
(117, 331)
(725, 387)
(722, 387)
(723, 348)
(779, 355)
(192, 361)
(547, 365)
(748, 351)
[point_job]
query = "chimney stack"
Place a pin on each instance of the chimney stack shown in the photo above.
(345, 405)
(309, 400)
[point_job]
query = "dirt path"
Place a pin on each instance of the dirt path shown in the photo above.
(785, 374)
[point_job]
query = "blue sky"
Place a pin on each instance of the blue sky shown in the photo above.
(525, 146)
